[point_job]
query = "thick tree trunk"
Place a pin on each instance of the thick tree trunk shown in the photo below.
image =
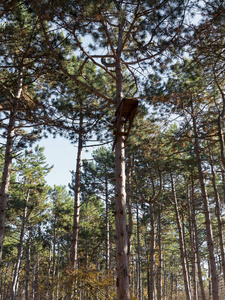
(210, 242)
(122, 265)
(181, 240)
(120, 216)
(8, 162)
(76, 215)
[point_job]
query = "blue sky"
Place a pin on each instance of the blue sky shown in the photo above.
(62, 154)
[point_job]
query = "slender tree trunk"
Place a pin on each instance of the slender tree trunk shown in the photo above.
(57, 272)
(159, 269)
(27, 276)
(15, 282)
(138, 256)
(53, 259)
(221, 139)
(210, 280)
(8, 162)
(203, 297)
(130, 217)
(152, 252)
(222, 169)
(181, 240)
(76, 215)
(172, 285)
(122, 265)
(210, 242)
(107, 221)
(164, 281)
(5, 283)
(193, 248)
(218, 215)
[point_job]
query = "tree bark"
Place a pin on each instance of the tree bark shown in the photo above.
(130, 217)
(193, 247)
(27, 275)
(210, 241)
(76, 215)
(138, 256)
(181, 240)
(15, 282)
(152, 252)
(8, 161)
(221, 139)
(197, 243)
(107, 248)
(159, 269)
(122, 266)
(218, 215)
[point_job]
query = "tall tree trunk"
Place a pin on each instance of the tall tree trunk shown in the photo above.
(218, 215)
(15, 282)
(152, 252)
(27, 275)
(203, 297)
(221, 139)
(164, 281)
(193, 247)
(138, 256)
(210, 242)
(210, 281)
(107, 248)
(172, 285)
(222, 170)
(8, 161)
(53, 258)
(181, 240)
(130, 216)
(76, 215)
(159, 269)
(122, 265)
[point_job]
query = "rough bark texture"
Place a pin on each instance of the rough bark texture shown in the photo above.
(181, 240)
(121, 234)
(8, 162)
(122, 266)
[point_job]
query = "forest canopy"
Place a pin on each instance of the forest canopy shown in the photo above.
(144, 82)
